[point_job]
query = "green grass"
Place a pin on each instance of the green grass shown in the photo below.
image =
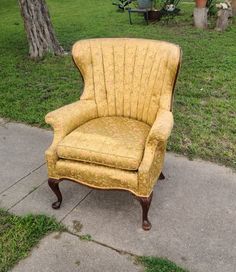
(153, 264)
(19, 234)
(205, 100)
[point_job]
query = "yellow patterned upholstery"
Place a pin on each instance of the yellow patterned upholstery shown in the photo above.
(110, 141)
(115, 135)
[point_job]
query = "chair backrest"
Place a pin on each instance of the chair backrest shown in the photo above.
(128, 77)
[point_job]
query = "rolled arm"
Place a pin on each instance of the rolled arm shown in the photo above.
(64, 120)
(67, 118)
(162, 126)
(154, 152)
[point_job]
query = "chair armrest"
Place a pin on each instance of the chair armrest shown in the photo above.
(162, 126)
(67, 118)
(154, 151)
(64, 120)
(158, 135)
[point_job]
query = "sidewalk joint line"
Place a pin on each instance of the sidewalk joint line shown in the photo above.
(76, 205)
(34, 189)
(21, 179)
(38, 167)
(120, 251)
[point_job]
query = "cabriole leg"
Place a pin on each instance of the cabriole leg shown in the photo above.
(145, 203)
(54, 185)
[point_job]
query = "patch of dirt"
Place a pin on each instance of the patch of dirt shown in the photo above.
(77, 226)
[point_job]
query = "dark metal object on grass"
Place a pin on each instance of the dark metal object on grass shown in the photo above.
(168, 11)
(122, 4)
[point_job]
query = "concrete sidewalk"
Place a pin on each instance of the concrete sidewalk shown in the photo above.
(193, 212)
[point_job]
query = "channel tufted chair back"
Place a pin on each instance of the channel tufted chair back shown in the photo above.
(115, 135)
(128, 77)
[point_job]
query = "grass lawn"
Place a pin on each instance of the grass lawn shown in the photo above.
(19, 234)
(205, 100)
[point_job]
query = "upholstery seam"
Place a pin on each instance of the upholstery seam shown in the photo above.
(154, 58)
(158, 71)
(94, 90)
(123, 90)
(104, 76)
(129, 158)
(114, 78)
(99, 163)
(135, 55)
(115, 93)
(167, 66)
(140, 85)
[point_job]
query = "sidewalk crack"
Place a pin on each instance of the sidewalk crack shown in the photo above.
(22, 178)
(120, 251)
(34, 189)
(64, 217)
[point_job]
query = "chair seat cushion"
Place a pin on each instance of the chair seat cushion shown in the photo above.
(116, 142)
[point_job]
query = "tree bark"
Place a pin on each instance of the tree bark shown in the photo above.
(233, 3)
(200, 17)
(39, 29)
(223, 19)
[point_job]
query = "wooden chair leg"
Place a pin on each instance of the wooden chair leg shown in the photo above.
(161, 176)
(145, 203)
(54, 185)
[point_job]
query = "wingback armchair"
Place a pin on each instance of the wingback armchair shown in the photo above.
(115, 136)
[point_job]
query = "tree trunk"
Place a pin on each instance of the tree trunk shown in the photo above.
(200, 17)
(40, 33)
(223, 19)
(233, 3)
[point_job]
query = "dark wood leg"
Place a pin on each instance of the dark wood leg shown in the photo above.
(54, 185)
(161, 176)
(145, 203)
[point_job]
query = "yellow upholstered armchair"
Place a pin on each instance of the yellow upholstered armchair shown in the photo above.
(115, 136)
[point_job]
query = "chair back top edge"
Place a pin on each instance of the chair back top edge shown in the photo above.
(138, 40)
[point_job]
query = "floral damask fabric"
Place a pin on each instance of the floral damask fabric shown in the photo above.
(128, 77)
(98, 176)
(63, 121)
(115, 135)
(111, 141)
